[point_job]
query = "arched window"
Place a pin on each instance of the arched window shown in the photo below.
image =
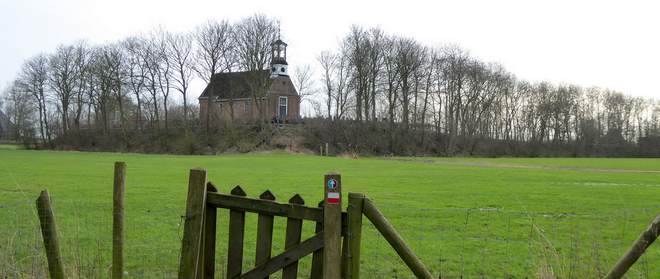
(282, 70)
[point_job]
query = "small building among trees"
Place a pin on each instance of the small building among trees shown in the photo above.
(253, 95)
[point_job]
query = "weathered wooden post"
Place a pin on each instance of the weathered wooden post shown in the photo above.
(118, 220)
(352, 254)
(191, 250)
(49, 233)
(638, 248)
(332, 227)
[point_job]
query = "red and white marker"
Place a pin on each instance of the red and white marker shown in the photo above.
(333, 197)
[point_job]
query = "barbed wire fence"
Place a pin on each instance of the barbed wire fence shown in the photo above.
(452, 242)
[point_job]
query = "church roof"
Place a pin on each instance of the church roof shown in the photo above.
(279, 42)
(240, 84)
(279, 60)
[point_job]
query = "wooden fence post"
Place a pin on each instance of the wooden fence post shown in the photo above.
(191, 250)
(639, 247)
(332, 227)
(352, 254)
(49, 233)
(118, 220)
(387, 230)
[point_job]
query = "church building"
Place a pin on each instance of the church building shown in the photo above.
(233, 92)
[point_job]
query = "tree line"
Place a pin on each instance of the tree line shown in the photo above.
(374, 93)
(442, 100)
(136, 89)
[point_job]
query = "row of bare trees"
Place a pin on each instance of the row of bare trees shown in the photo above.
(136, 85)
(447, 98)
(422, 99)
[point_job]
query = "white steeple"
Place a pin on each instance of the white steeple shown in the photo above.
(278, 64)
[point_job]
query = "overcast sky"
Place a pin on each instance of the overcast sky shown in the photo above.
(613, 44)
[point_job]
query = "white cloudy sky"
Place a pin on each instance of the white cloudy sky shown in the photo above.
(612, 44)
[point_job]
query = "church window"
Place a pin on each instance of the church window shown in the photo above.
(282, 70)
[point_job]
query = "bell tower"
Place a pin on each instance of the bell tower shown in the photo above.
(278, 65)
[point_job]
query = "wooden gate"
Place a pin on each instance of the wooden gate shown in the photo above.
(198, 244)
(333, 257)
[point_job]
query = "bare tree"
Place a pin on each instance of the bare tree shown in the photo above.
(302, 79)
(253, 38)
(19, 108)
(212, 55)
(327, 61)
(342, 94)
(453, 66)
(108, 92)
(392, 80)
(356, 46)
(63, 77)
(33, 79)
(180, 55)
(82, 53)
(376, 44)
(409, 59)
(152, 61)
(162, 65)
(136, 70)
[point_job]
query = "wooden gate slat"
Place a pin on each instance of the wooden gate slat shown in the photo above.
(236, 236)
(210, 220)
(293, 234)
(265, 206)
(264, 233)
(317, 257)
(290, 255)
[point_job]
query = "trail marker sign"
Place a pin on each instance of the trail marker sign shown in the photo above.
(333, 190)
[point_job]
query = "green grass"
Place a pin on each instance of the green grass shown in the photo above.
(469, 217)
(612, 164)
(9, 147)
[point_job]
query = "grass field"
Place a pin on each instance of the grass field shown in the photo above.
(9, 147)
(464, 217)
